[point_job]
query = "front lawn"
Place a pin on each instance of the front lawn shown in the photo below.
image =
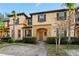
(70, 46)
(51, 51)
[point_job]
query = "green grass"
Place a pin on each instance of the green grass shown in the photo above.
(51, 51)
(70, 46)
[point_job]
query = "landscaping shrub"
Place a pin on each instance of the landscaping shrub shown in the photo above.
(29, 40)
(51, 40)
(64, 40)
(10, 41)
(5, 39)
(74, 40)
(18, 41)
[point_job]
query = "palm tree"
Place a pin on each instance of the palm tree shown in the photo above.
(71, 7)
(14, 18)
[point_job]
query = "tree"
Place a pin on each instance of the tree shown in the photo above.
(14, 18)
(1, 21)
(2, 25)
(71, 7)
(61, 28)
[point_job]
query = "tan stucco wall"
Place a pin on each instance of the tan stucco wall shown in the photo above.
(50, 24)
(22, 21)
(51, 18)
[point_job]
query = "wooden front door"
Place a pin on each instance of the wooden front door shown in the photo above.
(40, 35)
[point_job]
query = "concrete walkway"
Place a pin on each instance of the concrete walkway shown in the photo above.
(72, 52)
(15, 50)
(42, 48)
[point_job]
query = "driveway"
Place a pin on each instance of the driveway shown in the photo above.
(16, 50)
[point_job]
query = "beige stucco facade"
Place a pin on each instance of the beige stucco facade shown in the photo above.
(42, 30)
(22, 23)
(51, 24)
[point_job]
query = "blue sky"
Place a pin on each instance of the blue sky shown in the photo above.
(29, 7)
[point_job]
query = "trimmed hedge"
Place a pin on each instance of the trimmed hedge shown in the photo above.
(19, 41)
(51, 40)
(74, 40)
(7, 39)
(64, 40)
(31, 40)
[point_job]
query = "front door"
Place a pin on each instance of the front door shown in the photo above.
(41, 35)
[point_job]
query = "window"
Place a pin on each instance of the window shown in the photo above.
(77, 18)
(19, 33)
(28, 32)
(63, 33)
(25, 33)
(29, 21)
(45, 33)
(17, 21)
(57, 32)
(61, 16)
(42, 18)
(12, 32)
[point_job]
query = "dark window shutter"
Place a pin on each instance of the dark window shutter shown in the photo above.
(57, 16)
(65, 15)
(38, 18)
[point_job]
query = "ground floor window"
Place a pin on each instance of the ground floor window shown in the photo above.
(12, 32)
(63, 33)
(28, 32)
(19, 33)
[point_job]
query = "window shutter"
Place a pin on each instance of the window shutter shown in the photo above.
(65, 15)
(57, 16)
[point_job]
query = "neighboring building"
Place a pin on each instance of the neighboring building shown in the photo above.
(43, 24)
(20, 23)
(4, 31)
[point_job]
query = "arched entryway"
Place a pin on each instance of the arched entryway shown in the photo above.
(41, 34)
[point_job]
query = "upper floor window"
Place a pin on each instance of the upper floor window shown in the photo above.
(17, 21)
(41, 18)
(30, 21)
(61, 16)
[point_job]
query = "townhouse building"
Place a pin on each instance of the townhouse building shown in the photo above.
(43, 24)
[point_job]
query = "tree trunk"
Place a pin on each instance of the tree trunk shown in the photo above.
(13, 29)
(69, 25)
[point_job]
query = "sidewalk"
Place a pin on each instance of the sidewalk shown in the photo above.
(72, 52)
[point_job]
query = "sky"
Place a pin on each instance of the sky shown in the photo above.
(29, 7)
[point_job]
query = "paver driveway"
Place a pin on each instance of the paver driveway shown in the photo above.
(15, 50)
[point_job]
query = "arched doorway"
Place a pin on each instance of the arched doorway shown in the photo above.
(41, 34)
